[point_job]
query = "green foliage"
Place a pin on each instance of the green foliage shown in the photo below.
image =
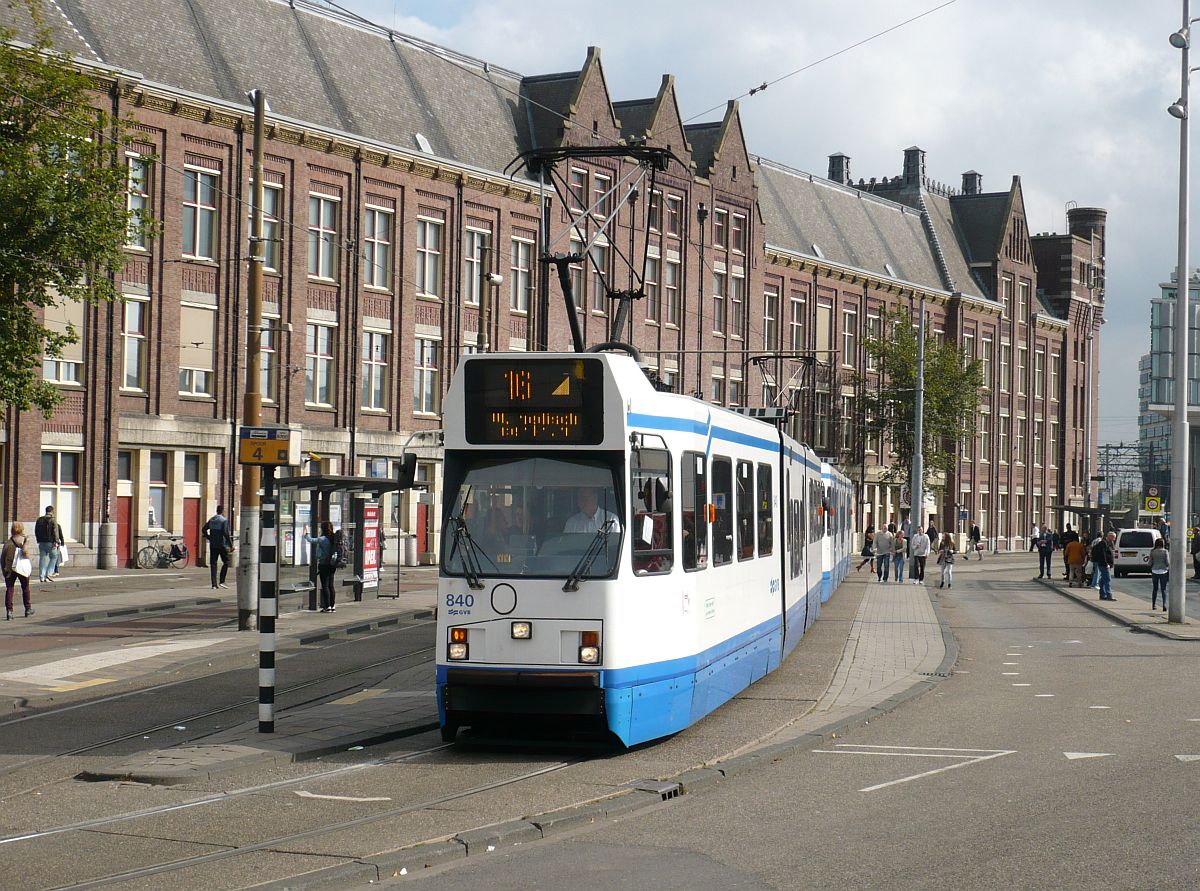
(952, 393)
(63, 217)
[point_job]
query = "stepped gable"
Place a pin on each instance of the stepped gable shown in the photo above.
(658, 121)
(851, 228)
(322, 68)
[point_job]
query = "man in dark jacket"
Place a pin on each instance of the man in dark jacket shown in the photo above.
(216, 532)
(1102, 559)
(49, 536)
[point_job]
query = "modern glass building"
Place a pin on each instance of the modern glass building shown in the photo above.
(1156, 387)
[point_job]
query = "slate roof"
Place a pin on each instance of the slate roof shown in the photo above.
(547, 96)
(851, 228)
(636, 115)
(958, 266)
(981, 220)
(314, 66)
(703, 140)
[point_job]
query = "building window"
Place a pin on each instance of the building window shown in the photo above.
(1055, 370)
(377, 248)
(671, 291)
(268, 359)
(737, 391)
(720, 229)
(1003, 455)
(770, 317)
(718, 390)
(199, 213)
(651, 288)
(737, 292)
(1039, 374)
(124, 467)
(654, 211)
(375, 370)
(159, 485)
(599, 269)
(429, 258)
(873, 336)
(1022, 369)
(601, 199)
(796, 324)
(576, 270)
(985, 361)
(63, 317)
(1038, 429)
(191, 467)
(577, 188)
(322, 236)
(985, 437)
(720, 285)
(1006, 284)
(318, 364)
(426, 379)
(674, 215)
(847, 423)
(197, 326)
(475, 247)
(1053, 450)
(133, 336)
(271, 228)
(1024, 295)
(1005, 367)
(849, 338)
(521, 274)
(60, 487)
(1019, 439)
(138, 201)
(738, 233)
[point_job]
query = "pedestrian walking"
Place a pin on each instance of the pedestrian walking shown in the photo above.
(932, 532)
(1102, 557)
(899, 556)
(220, 542)
(884, 540)
(1069, 535)
(1033, 537)
(868, 549)
(1196, 552)
(327, 559)
(16, 565)
(1160, 566)
(1075, 554)
(920, 551)
(1046, 550)
(945, 559)
(976, 541)
(49, 538)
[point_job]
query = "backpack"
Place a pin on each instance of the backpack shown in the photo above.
(340, 557)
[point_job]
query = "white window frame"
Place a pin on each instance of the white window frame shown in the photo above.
(135, 340)
(193, 380)
(737, 301)
(674, 220)
(198, 211)
(55, 491)
(720, 292)
(652, 289)
(476, 244)
(520, 272)
(138, 198)
(429, 259)
(427, 376)
(737, 233)
(316, 362)
(323, 236)
(849, 337)
(601, 200)
(376, 381)
(770, 318)
(378, 223)
(720, 229)
(672, 271)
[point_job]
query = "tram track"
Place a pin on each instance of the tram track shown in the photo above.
(282, 840)
(398, 661)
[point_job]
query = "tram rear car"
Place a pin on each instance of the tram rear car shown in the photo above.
(614, 558)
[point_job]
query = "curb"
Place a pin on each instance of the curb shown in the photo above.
(170, 606)
(1156, 628)
(360, 627)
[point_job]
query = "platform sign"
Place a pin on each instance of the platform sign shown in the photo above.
(1152, 504)
(370, 544)
(269, 446)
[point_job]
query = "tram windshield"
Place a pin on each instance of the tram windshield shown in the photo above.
(532, 516)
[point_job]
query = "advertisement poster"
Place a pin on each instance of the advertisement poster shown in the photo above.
(370, 540)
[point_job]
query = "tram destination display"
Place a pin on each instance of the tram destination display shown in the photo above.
(522, 401)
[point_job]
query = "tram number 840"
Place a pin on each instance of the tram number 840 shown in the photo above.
(463, 600)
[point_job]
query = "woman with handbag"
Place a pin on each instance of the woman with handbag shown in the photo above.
(15, 563)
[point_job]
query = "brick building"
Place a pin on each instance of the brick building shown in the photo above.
(390, 191)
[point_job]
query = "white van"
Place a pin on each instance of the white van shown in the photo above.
(1133, 550)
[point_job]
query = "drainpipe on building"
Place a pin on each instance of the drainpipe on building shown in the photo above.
(106, 550)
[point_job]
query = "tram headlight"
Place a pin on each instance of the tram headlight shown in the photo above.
(457, 651)
(522, 630)
(589, 647)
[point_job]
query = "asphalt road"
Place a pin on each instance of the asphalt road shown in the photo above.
(1064, 752)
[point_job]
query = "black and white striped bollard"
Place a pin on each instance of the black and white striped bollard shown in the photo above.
(268, 605)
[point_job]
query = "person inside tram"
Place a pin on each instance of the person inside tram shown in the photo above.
(591, 517)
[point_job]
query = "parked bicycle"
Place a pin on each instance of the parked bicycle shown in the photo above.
(163, 552)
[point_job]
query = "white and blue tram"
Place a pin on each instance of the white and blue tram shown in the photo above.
(616, 557)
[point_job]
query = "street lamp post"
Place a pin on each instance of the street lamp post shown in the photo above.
(1181, 40)
(916, 488)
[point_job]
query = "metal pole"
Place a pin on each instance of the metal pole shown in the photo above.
(1179, 422)
(247, 569)
(916, 489)
(268, 606)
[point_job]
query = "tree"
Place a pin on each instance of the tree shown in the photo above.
(63, 206)
(952, 392)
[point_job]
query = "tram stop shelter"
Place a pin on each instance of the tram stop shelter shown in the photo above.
(352, 504)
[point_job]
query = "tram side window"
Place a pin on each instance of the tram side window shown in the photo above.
(745, 510)
(766, 528)
(722, 489)
(797, 550)
(693, 493)
(651, 506)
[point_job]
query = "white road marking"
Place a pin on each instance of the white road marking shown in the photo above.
(962, 756)
(1043, 695)
(303, 794)
(1022, 685)
(1010, 674)
(1186, 758)
(1072, 641)
(1076, 756)
(1010, 663)
(1101, 707)
(53, 673)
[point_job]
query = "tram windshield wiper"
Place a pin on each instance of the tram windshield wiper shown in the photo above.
(469, 552)
(584, 566)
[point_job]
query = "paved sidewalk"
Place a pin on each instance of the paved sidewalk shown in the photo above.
(1128, 610)
(119, 636)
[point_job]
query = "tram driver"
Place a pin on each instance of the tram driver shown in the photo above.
(591, 517)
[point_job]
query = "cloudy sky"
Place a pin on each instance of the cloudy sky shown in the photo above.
(1070, 95)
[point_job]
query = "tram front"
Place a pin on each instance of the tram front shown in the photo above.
(531, 540)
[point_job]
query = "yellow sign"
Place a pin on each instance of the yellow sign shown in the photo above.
(269, 446)
(1153, 505)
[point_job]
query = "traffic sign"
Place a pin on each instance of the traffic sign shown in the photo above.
(269, 446)
(1152, 505)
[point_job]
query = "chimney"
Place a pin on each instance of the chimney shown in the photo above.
(839, 168)
(1086, 222)
(914, 166)
(972, 183)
